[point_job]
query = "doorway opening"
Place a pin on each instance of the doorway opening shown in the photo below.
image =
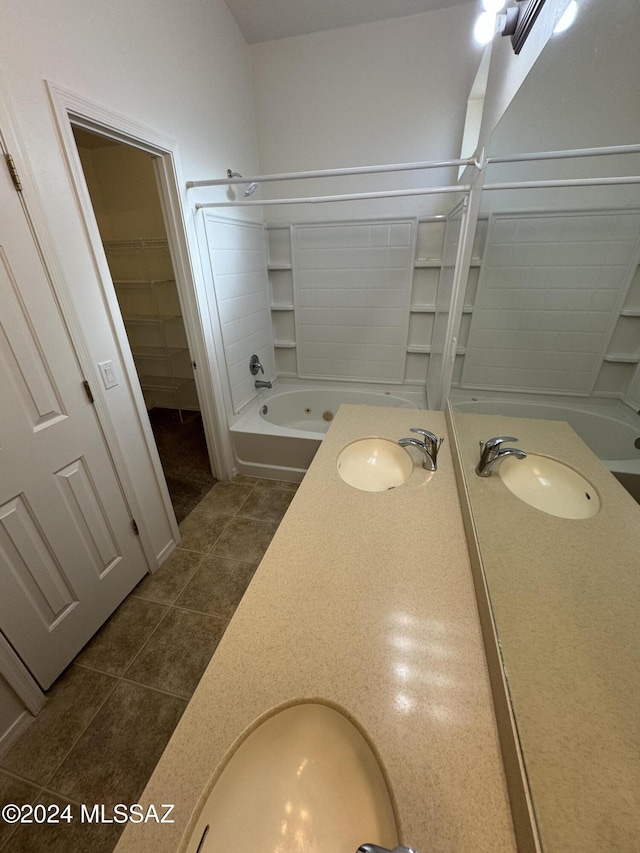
(122, 185)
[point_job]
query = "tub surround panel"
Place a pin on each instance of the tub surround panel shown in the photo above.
(237, 254)
(564, 595)
(352, 291)
(556, 306)
(358, 603)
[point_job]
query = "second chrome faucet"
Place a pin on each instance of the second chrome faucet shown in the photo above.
(430, 445)
(492, 451)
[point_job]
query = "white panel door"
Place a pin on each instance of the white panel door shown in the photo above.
(68, 551)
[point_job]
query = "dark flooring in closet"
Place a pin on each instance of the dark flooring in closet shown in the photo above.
(184, 456)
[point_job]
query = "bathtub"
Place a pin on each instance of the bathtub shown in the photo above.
(609, 428)
(280, 432)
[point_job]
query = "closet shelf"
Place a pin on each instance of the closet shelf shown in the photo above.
(160, 353)
(161, 383)
(147, 282)
(150, 319)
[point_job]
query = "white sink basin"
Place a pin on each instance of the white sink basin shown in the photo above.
(305, 779)
(374, 464)
(550, 486)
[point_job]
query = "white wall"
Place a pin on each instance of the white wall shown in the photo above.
(508, 70)
(389, 92)
(179, 67)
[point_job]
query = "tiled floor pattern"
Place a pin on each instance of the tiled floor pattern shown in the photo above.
(111, 713)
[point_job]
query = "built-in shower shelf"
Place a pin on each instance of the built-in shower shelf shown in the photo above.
(417, 349)
(630, 312)
(276, 267)
(437, 262)
(622, 358)
(422, 309)
(284, 344)
(282, 307)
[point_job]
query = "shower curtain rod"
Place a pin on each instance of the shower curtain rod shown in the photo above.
(334, 173)
(464, 188)
(568, 182)
(566, 154)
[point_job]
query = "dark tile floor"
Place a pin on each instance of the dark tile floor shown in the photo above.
(111, 713)
(182, 448)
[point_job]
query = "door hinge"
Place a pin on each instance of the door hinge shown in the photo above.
(87, 389)
(13, 172)
(135, 527)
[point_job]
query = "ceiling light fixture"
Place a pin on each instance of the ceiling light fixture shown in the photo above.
(485, 28)
(516, 21)
(567, 19)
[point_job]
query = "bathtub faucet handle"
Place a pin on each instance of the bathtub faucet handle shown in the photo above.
(254, 365)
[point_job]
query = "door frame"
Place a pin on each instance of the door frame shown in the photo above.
(71, 110)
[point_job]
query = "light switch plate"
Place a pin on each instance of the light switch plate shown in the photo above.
(108, 373)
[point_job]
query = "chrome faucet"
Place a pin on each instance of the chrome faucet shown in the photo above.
(375, 848)
(492, 452)
(429, 446)
(254, 365)
(254, 368)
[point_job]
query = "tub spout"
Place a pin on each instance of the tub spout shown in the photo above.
(262, 384)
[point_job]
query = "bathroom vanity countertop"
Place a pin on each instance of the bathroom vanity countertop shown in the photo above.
(364, 600)
(564, 597)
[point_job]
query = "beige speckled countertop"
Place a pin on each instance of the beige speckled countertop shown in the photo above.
(565, 596)
(364, 600)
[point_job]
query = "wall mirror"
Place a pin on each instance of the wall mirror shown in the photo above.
(552, 323)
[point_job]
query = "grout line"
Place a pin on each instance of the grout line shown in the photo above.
(145, 644)
(20, 778)
(156, 690)
(226, 619)
(196, 569)
(50, 776)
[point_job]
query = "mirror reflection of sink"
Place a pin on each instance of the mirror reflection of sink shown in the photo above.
(304, 779)
(374, 464)
(550, 486)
